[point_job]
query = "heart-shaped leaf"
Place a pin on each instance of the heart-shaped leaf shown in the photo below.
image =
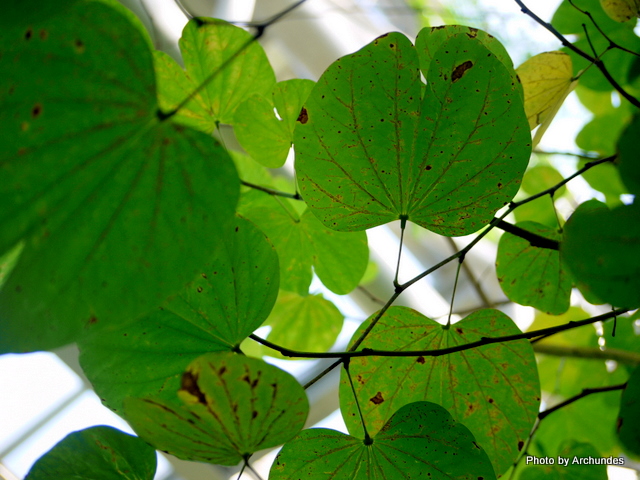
(370, 149)
(420, 440)
(97, 452)
(532, 275)
(230, 299)
(231, 406)
(112, 201)
(493, 390)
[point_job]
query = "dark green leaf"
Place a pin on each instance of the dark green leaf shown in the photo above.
(602, 249)
(230, 406)
(571, 453)
(531, 275)
(230, 299)
(601, 135)
(419, 441)
(628, 161)
(369, 150)
(629, 416)
(213, 47)
(113, 205)
(96, 453)
(493, 390)
(265, 137)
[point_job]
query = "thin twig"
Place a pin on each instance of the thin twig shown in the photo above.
(472, 278)
(620, 356)
(585, 392)
(534, 239)
(270, 191)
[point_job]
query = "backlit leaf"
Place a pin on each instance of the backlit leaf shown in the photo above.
(621, 10)
(532, 275)
(213, 47)
(230, 299)
(97, 452)
(370, 150)
(265, 137)
(420, 440)
(112, 202)
(493, 390)
(601, 249)
(572, 470)
(230, 406)
(629, 416)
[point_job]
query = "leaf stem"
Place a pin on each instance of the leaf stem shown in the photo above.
(403, 224)
(271, 191)
(367, 439)
(453, 294)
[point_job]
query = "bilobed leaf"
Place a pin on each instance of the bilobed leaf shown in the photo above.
(112, 203)
(493, 390)
(629, 164)
(370, 149)
(547, 79)
(600, 248)
(339, 258)
(569, 450)
(225, 303)
(230, 406)
(420, 440)
(213, 47)
(265, 137)
(97, 452)
(310, 323)
(629, 416)
(532, 275)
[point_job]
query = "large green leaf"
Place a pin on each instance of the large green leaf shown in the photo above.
(231, 406)
(420, 441)
(532, 275)
(629, 163)
(239, 66)
(570, 454)
(493, 390)
(264, 136)
(629, 416)
(305, 323)
(97, 452)
(113, 204)
(601, 248)
(230, 298)
(338, 258)
(370, 149)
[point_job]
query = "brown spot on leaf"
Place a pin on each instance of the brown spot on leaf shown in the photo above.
(79, 46)
(618, 424)
(520, 445)
(304, 116)
(204, 275)
(254, 414)
(28, 34)
(199, 289)
(472, 33)
(420, 360)
(44, 34)
(92, 320)
(460, 70)
(428, 167)
(378, 399)
(36, 110)
(459, 330)
(491, 400)
(189, 384)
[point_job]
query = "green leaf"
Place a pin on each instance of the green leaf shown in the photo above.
(571, 453)
(230, 299)
(629, 416)
(309, 323)
(370, 150)
(493, 390)
(265, 137)
(8, 262)
(111, 202)
(540, 178)
(601, 249)
(420, 440)
(231, 406)
(339, 258)
(628, 162)
(601, 135)
(212, 47)
(532, 275)
(97, 452)
(621, 10)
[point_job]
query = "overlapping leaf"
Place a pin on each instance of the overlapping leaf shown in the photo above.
(532, 275)
(338, 258)
(264, 136)
(231, 406)
(493, 390)
(547, 79)
(420, 440)
(629, 416)
(601, 251)
(370, 149)
(113, 204)
(97, 452)
(230, 298)
(213, 48)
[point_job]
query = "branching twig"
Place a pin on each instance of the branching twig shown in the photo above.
(534, 239)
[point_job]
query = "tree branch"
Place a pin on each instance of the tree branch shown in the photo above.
(620, 356)
(585, 392)
(534, 239)
(270, 191)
